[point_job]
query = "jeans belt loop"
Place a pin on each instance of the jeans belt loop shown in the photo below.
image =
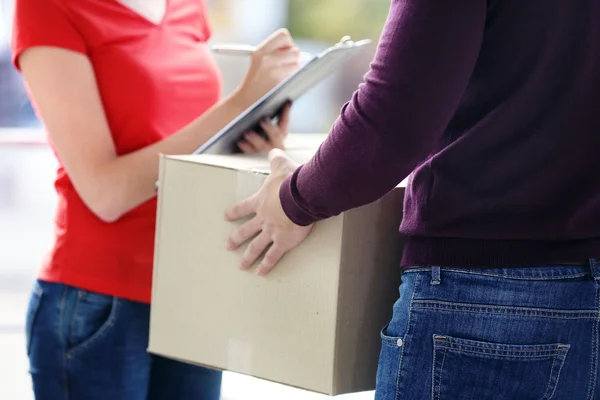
(594, 269)
(435, 276)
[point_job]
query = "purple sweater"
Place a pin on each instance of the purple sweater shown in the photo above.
(493, 109)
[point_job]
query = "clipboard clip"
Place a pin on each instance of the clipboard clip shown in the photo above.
(347, 42)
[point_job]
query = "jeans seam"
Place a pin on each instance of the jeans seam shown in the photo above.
(410, 311)
(61, 316)
(550, 380)
(593, 312)
(433, 375)
(558, 375)
(492, 349)
(515, 277)
(526, 278)
(69, 337)
(436, 374)
(492, 309)
(500, 313)
(555, 354)
(441, 372)
(112, 319)
(594, 361)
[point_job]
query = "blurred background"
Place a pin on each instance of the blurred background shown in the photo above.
(27, 165)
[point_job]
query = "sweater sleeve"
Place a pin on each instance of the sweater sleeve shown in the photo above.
(425, 58)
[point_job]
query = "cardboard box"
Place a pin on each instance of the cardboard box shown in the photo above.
(313, 323)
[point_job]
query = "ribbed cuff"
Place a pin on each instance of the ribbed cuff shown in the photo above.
(292, 209)
(482, 253)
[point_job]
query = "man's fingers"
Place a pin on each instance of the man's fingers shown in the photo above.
(241, 209)
(243, 233)
(271, 258)
(254, 250)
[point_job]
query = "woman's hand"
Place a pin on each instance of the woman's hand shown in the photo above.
(273, 61)
(270, 228)
(276, 134)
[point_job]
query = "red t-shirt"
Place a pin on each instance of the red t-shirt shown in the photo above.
(153, 80)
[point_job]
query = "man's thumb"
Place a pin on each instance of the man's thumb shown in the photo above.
(278, 160)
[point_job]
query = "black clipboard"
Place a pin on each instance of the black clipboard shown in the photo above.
(271, 104)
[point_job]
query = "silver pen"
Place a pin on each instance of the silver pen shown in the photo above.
(242, 50)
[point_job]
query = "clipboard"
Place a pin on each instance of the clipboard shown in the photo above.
(290, 89)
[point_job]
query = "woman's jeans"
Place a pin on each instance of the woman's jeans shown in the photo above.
(83, 345)
(501, 334)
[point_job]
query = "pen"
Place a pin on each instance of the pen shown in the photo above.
(242, 50)
(234, 49)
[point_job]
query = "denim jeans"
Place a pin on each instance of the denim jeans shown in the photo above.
(84, 345)
(502, 334)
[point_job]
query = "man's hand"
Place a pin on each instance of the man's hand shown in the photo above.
(270, 225)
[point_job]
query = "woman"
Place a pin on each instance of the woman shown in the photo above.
(116, 83)
(492, 108)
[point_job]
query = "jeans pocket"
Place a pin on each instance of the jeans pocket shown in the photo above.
(91, 318)
(388, 372)
(32, 311)
(468, 370)
(394, 338)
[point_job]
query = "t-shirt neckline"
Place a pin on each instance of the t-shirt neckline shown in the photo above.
(141, 17)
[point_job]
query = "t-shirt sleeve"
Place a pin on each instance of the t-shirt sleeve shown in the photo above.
(43, 23)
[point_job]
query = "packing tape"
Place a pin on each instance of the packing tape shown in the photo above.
(246, 186)
(239, 357)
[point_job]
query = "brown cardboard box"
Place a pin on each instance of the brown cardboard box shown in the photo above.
(313, 323)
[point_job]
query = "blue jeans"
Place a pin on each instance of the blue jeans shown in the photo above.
(502, 334)
(84, 345)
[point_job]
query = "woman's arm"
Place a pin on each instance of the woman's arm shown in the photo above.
(64, 88)
(424, 61)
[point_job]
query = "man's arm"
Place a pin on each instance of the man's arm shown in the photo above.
(424, 60)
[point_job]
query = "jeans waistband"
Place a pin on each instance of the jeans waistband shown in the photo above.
(539, 272)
